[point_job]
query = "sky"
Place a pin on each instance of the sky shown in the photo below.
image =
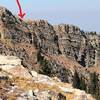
(82, 13)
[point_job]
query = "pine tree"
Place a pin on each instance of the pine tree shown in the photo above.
(94, 88)
(76, 80)
(82, 84)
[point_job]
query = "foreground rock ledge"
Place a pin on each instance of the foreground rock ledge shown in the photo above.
(20, 84)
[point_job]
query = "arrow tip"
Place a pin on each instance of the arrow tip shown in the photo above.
(21, 15)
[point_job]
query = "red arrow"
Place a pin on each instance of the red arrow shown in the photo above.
(21, 14)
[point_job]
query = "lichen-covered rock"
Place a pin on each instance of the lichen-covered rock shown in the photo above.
(33, 86)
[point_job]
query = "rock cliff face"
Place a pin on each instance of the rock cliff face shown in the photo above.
(54, 50)
(59, 39)
(68, 40)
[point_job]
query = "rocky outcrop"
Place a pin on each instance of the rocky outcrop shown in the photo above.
(54, 50)
(23, 84)
(59, 39)
(68, 40)
(76, 44)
